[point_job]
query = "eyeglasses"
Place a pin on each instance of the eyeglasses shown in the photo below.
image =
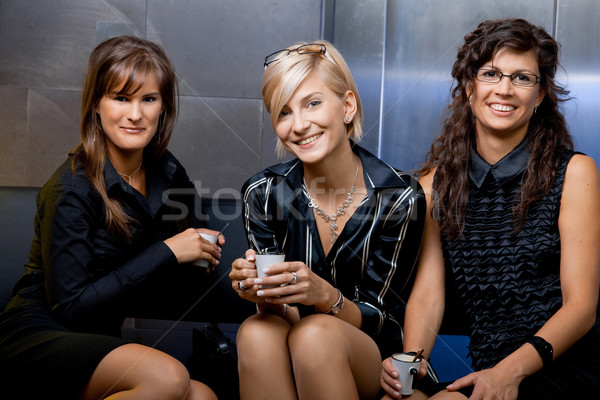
(310, 48)
(518, 78)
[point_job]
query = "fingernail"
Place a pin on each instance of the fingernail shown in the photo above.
(266, 270)
(396, 394)
(257, 281)
(260, 293)
(250, 257)
(398, 386)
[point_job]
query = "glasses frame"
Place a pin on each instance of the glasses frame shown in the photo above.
(303, 49)
(538, 79)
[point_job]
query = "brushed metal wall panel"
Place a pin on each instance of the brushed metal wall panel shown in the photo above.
(421, 43)
(218, 141)
(13, 135)
(218, 46)
(53, 130)
(359, 31)
(46, 44)
(579, 34)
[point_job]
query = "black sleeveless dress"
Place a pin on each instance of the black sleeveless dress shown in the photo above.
(509, 283)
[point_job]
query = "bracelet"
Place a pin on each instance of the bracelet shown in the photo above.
(543, 348)
(337, 307)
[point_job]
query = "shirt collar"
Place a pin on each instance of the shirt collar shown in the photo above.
(508, 167)
(160, 173)
(377, 173)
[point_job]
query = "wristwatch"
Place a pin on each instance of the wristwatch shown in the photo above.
(544, 349)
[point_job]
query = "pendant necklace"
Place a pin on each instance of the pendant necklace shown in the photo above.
(132, 174)
(340, 211)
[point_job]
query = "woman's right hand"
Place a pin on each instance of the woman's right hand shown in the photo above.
(190, 246)
(243, 270)
(389, 378)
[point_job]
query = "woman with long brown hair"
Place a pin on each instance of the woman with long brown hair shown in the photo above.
(513, 223)
(106, 242)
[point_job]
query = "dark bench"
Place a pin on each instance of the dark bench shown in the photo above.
(217, 303)
(220, 304)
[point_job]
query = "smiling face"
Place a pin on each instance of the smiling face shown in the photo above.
(502, 109)
(311, 124)
(129, 121)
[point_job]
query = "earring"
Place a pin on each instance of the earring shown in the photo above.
(470, 97)
(347, 119)
(535, 109)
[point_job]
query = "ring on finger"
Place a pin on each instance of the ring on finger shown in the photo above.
(241, 286)
(294, 278)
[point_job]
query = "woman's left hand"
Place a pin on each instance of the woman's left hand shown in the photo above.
(488, 384)
(300, 285)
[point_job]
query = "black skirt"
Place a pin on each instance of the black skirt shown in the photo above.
(40, 358)
(573, 375)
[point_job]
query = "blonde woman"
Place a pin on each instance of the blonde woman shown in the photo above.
(350, 227)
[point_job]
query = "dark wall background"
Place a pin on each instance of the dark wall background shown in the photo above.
(400, 52)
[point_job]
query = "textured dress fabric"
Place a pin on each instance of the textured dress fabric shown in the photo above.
(509, 283)
(372, 262)
(82, 281)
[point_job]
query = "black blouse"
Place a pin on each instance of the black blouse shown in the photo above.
(372, 262)
(508, 283)
(88, 275)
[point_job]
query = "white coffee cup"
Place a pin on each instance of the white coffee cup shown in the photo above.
(211, 238)
(263, 261)
(407, 369)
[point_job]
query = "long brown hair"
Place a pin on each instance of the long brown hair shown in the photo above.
(127, 61)
(548, 134)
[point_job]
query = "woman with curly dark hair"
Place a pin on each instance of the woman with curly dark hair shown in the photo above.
(513, 224)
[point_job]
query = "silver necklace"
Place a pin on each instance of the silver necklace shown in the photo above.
(340, 211)
(132, 174)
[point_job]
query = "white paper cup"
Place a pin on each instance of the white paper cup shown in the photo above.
(262, 261)
(211, 238)
(407, 369)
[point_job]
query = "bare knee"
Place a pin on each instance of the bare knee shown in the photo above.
(315, 338)
(134, 368)
(258, 335)
(173, 379)
(200, 391)
(261, 329)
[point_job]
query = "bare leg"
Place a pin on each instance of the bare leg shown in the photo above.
(445, 395)
(417, 395)
(263, 359)
(133, 371)
(333, 359)
(200, 391)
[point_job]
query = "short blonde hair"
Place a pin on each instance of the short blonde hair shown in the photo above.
(282, 78)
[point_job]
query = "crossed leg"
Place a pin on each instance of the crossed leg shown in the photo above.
(134, 371)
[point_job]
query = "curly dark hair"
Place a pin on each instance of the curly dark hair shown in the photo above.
(548, 133)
